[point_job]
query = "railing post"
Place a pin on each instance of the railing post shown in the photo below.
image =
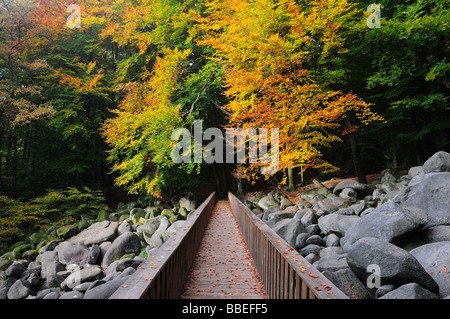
(285, 273)
(164, 275)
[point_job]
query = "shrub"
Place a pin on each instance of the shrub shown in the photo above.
(58, 207)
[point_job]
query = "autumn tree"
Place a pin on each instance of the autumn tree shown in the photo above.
(282, 60)
(166, 83)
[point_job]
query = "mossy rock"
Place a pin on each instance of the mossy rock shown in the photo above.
(21, 248)
(35, 238)
(65, 232)
(173, 218)
(128, 256)
(42, 244)
(5, 263)
(30, 255)
(136, 214)
(182, 212)
(124, 217)
(167, 212)
(19, 243)
(152, 212)
(102, 216)
(114, 217)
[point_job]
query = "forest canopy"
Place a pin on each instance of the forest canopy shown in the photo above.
(91, 91)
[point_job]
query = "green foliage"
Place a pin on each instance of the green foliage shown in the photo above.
(56, 207)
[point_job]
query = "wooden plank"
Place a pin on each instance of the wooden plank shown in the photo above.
(223, 267)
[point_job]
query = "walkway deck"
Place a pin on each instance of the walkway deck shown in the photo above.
(223, 267)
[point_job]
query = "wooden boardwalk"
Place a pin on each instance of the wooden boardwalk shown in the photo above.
(223, 267)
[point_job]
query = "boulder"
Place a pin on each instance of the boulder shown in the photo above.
(397, 265)
(349, 194)
(348, 283)
(289, 229)
(331, 259)
(300, 241)
(439, 162)
(314, 193)
(432, 195)
(409, 291)
(87, 274)
(435, 259)
(54, 281)
(94, 254)
(275, 217)
(285, 202)
(50, 264)
(96, 233)
(19, 290)
(389, 222)
(414, 171)
(310, 249)
(15, 270)
(362, 189)
(65, 232)
(332, 241)
(124, 227)
(146, 230)
(136, 214)
(309, 218)
(187, 204)
(384, 290)
(337, 223)
(69, 253)
(104, 291)
(124, 244)
(72, 295)
(156, 240)
(172, 229)
(267, 202)
(332, 204)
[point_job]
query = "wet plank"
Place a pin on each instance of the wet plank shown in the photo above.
(223, 267)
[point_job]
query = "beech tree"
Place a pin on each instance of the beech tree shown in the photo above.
(281, 62)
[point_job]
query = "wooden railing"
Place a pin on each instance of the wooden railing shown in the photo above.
(163, 275)
(285, 273)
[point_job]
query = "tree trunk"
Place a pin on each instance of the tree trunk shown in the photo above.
(359, 169)
(302, 179)
(291, 181)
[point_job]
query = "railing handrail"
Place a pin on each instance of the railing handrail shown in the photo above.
(285, 273)
(163, 275)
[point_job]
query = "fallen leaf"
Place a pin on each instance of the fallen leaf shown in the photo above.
(313, 276)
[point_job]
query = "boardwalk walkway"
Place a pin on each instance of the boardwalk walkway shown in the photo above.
(223, 268)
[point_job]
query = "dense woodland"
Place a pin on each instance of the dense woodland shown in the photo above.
(94, 105)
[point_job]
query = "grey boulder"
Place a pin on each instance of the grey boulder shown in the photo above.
(337, 223)
(432, 195)
(409, 291)
(439, 162)
(267, 202)
(124, 244)
(80, 276)
(396, 265)
(96, 233)
(435, 259)
(69, 253)
(389, 222)
(19, 290)
(289, 229)
(362, 189)
(105, 290)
